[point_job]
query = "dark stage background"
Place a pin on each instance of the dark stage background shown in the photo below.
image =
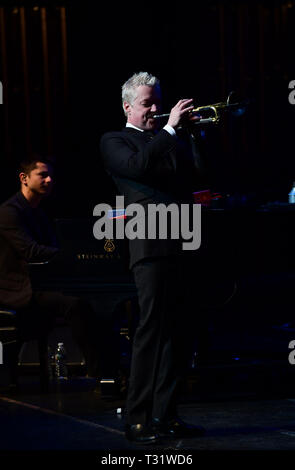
(62, 67)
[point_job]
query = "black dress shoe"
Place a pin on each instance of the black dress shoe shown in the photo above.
(176, 428)
(140, 433)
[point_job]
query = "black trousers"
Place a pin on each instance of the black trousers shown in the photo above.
(39, 317)
(163, 341)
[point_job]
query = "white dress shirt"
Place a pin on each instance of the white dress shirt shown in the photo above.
(167, 128)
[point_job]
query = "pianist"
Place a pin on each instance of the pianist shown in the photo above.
(26, 236)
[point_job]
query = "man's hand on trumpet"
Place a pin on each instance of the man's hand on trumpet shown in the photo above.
(182, 112)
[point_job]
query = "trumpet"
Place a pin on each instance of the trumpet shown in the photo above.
(212, 112)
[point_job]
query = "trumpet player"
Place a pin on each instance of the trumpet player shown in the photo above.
(150, 164)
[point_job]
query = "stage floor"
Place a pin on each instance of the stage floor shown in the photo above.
(246, 406)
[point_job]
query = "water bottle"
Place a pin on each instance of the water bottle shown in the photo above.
(61, 371)
(292, 195)
(194, 362)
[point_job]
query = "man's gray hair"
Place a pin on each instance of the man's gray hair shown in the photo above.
(138, 79)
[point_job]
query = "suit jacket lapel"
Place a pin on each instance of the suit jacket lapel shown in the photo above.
(171, 158)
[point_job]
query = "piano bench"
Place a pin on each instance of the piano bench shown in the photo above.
(11, 342)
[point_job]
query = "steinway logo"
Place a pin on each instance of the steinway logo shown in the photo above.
(97, 256)
(1, 353)
(109, 246)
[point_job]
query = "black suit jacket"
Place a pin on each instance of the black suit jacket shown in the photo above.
(26, 236)
(146, 170)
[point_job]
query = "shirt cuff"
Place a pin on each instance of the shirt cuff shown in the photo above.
(169, 129)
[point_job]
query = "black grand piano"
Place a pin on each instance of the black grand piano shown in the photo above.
(97, 271)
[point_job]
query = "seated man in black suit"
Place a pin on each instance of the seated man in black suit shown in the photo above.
(26, 236)
(151, 166)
